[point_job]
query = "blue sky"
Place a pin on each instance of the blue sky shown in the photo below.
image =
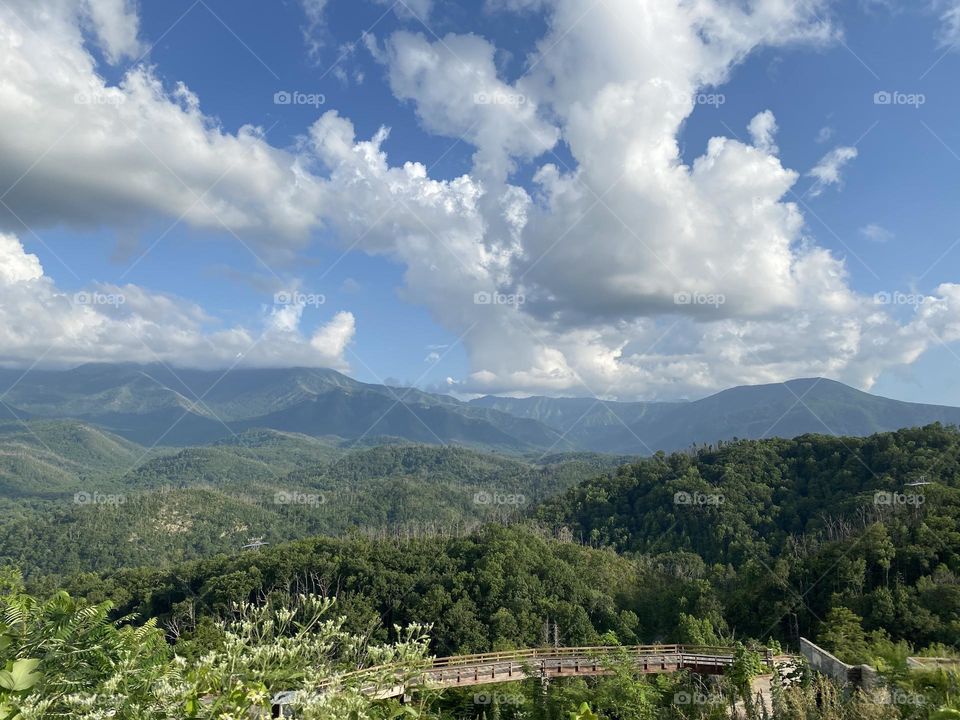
(887, 217)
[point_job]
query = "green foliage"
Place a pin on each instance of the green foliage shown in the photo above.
(64, 658)
(945, 714)
(842, 634)
(61, 648)
(696, 631)
(45, 458)
(493, 589)
(583, 713)
(747, 664)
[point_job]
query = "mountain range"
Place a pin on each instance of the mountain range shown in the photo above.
(155, 406)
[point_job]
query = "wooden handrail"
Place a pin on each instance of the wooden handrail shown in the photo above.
(715, 654)
(642, 650)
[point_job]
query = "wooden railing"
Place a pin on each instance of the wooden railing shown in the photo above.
(465, 670)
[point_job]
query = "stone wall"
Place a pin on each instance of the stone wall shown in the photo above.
(823, 662)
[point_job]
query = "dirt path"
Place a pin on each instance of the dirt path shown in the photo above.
(761, 687)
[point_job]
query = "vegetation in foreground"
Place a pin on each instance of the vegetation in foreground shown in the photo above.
(65, 658)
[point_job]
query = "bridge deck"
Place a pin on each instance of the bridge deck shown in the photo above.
(514, 665)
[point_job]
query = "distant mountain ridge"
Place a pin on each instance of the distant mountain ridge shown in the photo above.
(153, 405)
(789, 409)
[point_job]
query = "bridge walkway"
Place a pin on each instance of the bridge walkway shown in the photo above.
(515, 665)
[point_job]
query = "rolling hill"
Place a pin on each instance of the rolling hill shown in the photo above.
(196, 502)
(42, 457)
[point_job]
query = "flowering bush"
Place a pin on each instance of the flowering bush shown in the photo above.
(62, 658)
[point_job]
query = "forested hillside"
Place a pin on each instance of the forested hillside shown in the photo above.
(753, 538)
(178, 505)
(778, 532)
(42, 458)
(493, 589)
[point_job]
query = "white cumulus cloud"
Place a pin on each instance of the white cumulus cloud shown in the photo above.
(80, 151)
(102, 323)
(763, 131)
(621, 269)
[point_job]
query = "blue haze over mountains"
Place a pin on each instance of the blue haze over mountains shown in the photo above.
(154, 405)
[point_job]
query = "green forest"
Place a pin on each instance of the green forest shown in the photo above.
(850, 542)
(74, 498)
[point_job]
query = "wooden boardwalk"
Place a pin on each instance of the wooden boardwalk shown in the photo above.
(467, 670)
(515, 665)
